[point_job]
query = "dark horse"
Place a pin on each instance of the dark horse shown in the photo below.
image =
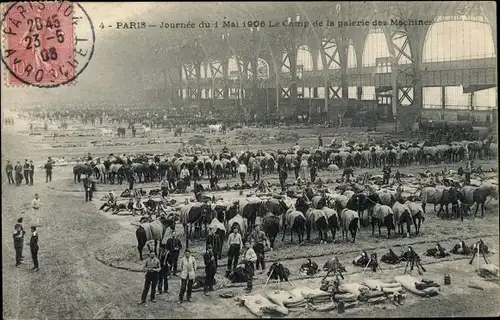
(251, 211)
(142, 236)
(80, 169)
(196, 215)
(451, 196)
(360, 203)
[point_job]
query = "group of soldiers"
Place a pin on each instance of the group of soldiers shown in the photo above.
(16, 174)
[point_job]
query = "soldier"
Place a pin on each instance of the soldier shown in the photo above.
(26, 171)
(348, 173)
(320, 141)
(249, 258)
(283, 175)
(34, 248)
(164, 272)
(19, 243)
(313, 170)
(19, 173)
(210, 269)
(31, 172)
(173, 246)
(87, 185)
(386, 174)
(48, 170)
(9, 169)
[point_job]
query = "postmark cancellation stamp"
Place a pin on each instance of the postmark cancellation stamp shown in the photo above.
(45, 44)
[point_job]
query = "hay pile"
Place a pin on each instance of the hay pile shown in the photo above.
(249, 136)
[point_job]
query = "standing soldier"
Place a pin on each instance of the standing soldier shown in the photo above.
(250, 258)
(184, 175)
(210, 269)
(31, 172)
(283, 175)
(214, 241)
(152, 267)
(320, 140)
(19, 242)
(256, 170)
(173, 246)
(131, 180)
(296, 167)
(87, 185)
(171, 178)
(313, 170)
(19, 173)
(9, 169)
(164, 187)
(242, 170)
(386, 174)
(48, 171)
(26, 171)
(34, 248)
(133, 131)
(164, 272)
(258, 238)
(35, 206)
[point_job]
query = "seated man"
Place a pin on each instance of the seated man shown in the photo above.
(213, 183)
(138, 207)
(151, 205)
(119, 207)
(110, 203)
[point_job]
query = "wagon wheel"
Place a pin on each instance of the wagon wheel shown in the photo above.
(437, 135)
(455, 136)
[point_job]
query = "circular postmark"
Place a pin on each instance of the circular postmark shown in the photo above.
(46, 44)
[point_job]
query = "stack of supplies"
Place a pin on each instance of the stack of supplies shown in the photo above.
(290, 300)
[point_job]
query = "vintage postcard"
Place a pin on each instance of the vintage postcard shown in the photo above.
(249, 159)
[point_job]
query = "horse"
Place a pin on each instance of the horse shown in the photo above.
(478, 196)
(316, 219)
(80, 169)
(100, 172)
(271, 227)
(195, 214)
(120, 132)
(402, 215)
(154, 230)
(178, 132)
(383, 215)
(333, 220)
(276, 207)
(250, 209)
(106, 132)
(451, 195)
(349, 221)
(296, 221)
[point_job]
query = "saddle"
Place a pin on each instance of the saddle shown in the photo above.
(278, 271)
(390, 258)
(309, 268)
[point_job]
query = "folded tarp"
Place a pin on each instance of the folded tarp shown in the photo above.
(286, 299)
(259, 306)
(408, 282)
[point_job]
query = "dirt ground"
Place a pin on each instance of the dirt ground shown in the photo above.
(73, 283)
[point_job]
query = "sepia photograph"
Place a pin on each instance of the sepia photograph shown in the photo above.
(189, 160)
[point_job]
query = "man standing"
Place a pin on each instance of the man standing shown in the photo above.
(173, 246)
(313, 170)
(214, 241)
(31, 172)
(171, 178)
(188, 274)
(242, 170)
(256, 171)
(164, 186)
(347, 174)
(235, 245)
(296, 167)
(34, 248)
(320, 141)
(87, 185)
(258, 238)
(283, 175)
(210, 269)
(19, 173)
(152, 267)
(18, 242)
(9, 169)
(35, 206)
(48, 171)
(26, 171)
(386, 174)
(250, 258)
(131, 180)
(184, 174)
(164, 272)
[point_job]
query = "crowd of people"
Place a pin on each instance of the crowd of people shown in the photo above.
(159, 269)
(16, 173)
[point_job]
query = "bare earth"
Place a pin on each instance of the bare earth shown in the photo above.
(72, 283)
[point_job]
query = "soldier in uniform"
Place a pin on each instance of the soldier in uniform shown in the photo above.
(19, 243)
(31, 172)
(210, 269)
(9, 169)
(19, 173)
(87, 185)
(34, 248)
(386, 174)
(26, 171)
(283, 175)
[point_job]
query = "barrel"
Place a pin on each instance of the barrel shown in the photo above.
(447, 279)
